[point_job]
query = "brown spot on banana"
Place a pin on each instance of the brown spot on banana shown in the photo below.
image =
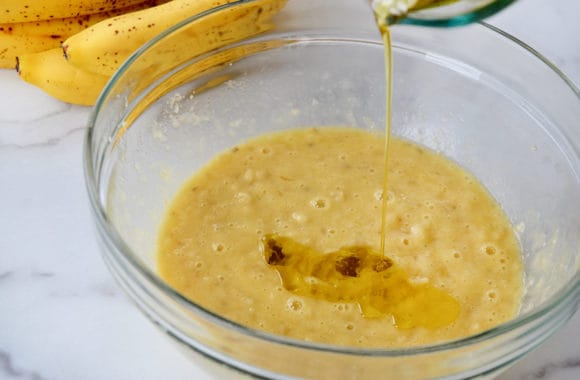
(115, 43)
(34, 10)
(49, 71)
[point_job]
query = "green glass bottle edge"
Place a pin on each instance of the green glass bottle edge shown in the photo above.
(465, 19)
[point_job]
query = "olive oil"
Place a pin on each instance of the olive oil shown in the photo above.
(359, 275)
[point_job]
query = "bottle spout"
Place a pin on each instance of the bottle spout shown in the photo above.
(435, 12)
(389, 12)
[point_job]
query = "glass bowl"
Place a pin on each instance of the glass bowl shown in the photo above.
(475, 94)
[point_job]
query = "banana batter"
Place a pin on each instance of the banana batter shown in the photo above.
(320, 189)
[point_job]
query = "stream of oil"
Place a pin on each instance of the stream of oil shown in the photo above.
(386, 35)
(359, 274)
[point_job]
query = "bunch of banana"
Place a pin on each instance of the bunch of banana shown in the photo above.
(17, 38)
(92, 55)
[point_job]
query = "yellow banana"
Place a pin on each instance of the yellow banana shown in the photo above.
(50, 71)
(102, 48)
(34, 10)
(33, 37)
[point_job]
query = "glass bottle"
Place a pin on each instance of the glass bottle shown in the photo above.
(437, 12)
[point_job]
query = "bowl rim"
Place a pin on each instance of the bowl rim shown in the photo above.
(570, 292)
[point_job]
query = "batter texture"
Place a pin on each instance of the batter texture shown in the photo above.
(322, 187)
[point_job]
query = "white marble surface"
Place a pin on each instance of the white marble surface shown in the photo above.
(61, 314)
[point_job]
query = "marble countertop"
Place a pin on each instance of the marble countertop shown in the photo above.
(61, 314)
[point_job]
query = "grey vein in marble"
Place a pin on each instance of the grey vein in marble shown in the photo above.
(4, 275)
(8, 369)
(20, 120)
(549, 369)
(53, 141)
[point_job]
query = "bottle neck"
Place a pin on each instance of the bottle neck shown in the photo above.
(439, 13)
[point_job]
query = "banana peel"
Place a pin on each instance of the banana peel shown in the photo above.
(102, 48)
(50, 71)
(32, 37)
(12, 11)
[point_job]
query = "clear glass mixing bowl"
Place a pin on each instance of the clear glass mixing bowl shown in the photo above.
(476, 94)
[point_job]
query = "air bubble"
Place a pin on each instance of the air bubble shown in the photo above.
(319, 203)
(249, 175)
(294, 304)
(298, 217)
(337, 195)
(218, 247)
(490, 250)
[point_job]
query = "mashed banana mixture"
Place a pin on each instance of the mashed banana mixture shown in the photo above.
(321, 188)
